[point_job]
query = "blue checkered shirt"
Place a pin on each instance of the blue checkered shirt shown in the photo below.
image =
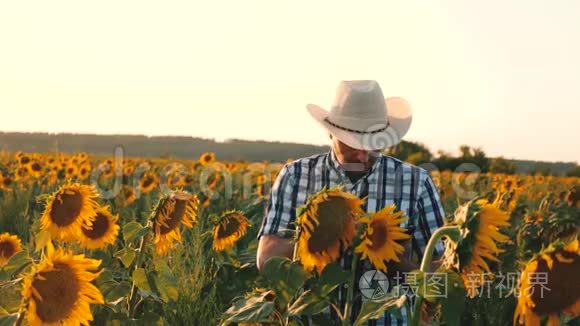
(388, 181)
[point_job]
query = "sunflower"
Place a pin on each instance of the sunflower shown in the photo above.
(9, 245)
(68, 209)
(6, 181)
(24, 160)
(84, 171)
(35, 169)
(175, 180)
(325, 222)
(82, 157)
(22, 174)
(128, 196)
(558, 266)
(260, 180)
(102, 233)
(480, 223)
(128, 168)
(148, 182)
(58, 291)
(379, 241)
(213, 179)
(171, 211)
(229, 229)
(207, 158)
(106, 169)
(71, 171)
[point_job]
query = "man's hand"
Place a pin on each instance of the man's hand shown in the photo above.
(273, 245)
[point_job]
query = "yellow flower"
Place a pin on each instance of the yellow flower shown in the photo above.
(59, 291)
(148, 182)
(102, 232)
(24, 160)
(326, 221)
(9, 246)
(71, 171)
(379, 241)
(548, 286)
(128, 196)
(106, 168)
(172, 210)
(84, 171)
(5, 181)
(35, 169)
(480, 222)
(229, 229)
(207, 158)
(68, 209)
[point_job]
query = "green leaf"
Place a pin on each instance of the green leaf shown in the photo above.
(166, 281)
(3, 311)
(127, 256)
(285, 277)
(133, 231)
(376, 309)
(308, 303)
(8, 320)
(453, 304)
(141, 281)
(331, 277)
(117, 293)
(17, 263)
(254, 309)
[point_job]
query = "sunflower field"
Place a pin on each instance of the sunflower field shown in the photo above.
(141, 241)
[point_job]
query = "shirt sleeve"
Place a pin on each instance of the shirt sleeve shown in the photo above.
(281, 210)
(429, 215)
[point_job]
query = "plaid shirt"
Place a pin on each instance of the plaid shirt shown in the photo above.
(388, 181)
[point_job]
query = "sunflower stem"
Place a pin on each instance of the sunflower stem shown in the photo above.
(350, 290)
(21, 314)
(451, 232)
(133, 295)
(294, 257)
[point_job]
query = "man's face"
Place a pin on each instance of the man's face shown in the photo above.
(352, 159)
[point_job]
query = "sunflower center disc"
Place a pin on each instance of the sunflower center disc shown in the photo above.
(562, 293)
(147, 182)
(174, 218)
(66, 208)
(6, 249)
(379, 236)
(59, 290)
(99, 228)
(229, 227)
(332, 216)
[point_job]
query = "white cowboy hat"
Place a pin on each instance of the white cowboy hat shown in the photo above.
(361, 117)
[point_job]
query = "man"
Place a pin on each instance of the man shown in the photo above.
(360, 123)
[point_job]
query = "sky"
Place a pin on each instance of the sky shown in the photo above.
(500, 75)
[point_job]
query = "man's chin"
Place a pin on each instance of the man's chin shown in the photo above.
(356, 167)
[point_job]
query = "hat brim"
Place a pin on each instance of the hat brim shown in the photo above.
(399, 116)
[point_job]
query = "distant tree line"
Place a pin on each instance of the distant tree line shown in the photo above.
(417, 153)
(192, 148)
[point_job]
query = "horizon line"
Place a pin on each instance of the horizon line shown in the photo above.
(225, 140)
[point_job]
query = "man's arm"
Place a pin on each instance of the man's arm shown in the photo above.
(271, 245)
(274, 235)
